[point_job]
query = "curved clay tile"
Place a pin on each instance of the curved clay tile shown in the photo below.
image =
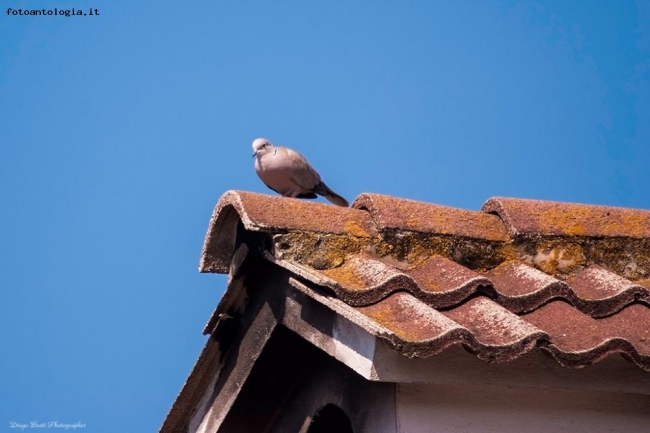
(361, 281)
(594, 290)
(395, 213)
(601, 292)
(437, 281)
(537, 217)
(416, 329)
(576, 339)
(522, 288)
(271, 214)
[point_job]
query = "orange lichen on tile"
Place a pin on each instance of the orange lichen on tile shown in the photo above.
(320, 251)
(530, 217)
(555, 256)
(410, 215)
(566, 256)
(354, 275)
(363, 280)
(410, 247)
(356, 229)
(410, 319)
(273, 213)
(414, 248)
(644, 283)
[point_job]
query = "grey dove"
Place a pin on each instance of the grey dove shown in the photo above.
(288, 173)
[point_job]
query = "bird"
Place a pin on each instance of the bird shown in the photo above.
(288, 173)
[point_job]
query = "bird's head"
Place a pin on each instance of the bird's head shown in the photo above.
(261, 146)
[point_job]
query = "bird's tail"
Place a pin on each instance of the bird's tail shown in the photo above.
(325, 191)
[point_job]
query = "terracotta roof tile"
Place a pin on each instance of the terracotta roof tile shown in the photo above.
(596, 283)
(361, 281)
(516, 279)
(270, 214)
(602, 292)
(413, 322)
(445, 282)
(644, 283)
(438, 281)
(517, 298)
(577, 339)
(417, 330)
(394, 213)
(521, 288)
(294, 214)
(531, 217)
(594, 290)
(501, 334)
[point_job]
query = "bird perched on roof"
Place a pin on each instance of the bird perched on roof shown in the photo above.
(288, 173)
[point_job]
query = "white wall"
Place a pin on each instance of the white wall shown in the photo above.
(463, 408)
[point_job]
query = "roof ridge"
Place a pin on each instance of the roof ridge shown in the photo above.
(525, 217)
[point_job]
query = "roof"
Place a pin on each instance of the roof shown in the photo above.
(518, 275)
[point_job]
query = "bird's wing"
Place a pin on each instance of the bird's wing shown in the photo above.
(302, 173)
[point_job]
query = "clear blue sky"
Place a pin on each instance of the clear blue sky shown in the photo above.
(119, 132)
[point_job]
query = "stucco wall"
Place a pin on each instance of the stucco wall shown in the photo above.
(464, 408)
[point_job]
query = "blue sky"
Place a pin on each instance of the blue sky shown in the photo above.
(119, 132)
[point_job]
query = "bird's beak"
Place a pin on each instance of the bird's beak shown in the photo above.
(254, 154)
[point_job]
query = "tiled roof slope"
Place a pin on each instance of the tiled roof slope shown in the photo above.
(570, 279)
